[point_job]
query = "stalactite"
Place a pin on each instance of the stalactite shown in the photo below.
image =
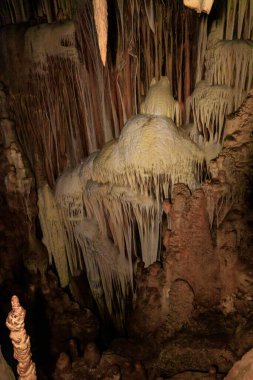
(98, 80)
(248, 33)
(78, 103)
(209, 106)
(69, 195)
(231, 13)
(230, 63)
(199, 5)
(207, 6)
(105, 203)
(120, 4)
(149, 7)
(107, 269)
(48, 10)
(220, 201)
(16, 11)
(241, 14)
(100, 14)
(227, 76)
(217, 54)
(54, 235)
(237, 20)
(202, 45)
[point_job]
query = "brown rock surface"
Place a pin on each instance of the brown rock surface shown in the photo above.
(207, 266)
(242, 369)
(5, 370)
(195, 376)
(191, 354)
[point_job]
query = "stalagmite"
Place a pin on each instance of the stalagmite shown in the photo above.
(21, 341)
(100, 15)
(160, 101)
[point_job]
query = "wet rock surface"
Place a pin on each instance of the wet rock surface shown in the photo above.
(243, 369)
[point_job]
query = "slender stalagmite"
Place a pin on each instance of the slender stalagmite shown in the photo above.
(21, 341)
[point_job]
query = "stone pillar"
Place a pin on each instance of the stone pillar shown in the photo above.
(21, 341)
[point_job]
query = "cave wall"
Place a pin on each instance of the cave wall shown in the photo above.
(66, 105)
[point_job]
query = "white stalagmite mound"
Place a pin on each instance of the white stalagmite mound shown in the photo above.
(159, 100)
(117, 191)
(148, 146)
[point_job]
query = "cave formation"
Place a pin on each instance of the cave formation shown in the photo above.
(126, 153)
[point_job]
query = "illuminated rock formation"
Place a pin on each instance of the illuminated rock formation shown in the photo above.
(159, 100)
(21, 341)
(116, 188)
(242, 369)
(54, 236)
(159, 214)
(100, 15)
(199, 5)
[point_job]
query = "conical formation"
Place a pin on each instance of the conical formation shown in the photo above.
(21, 341)
(100, 15)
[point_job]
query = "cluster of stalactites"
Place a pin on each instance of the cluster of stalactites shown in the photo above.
(115, 190)
(224, 73)
(86, 245)
(236, 21)
(19, 11)
(226, 51)
(230, 63)
(209, 105)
